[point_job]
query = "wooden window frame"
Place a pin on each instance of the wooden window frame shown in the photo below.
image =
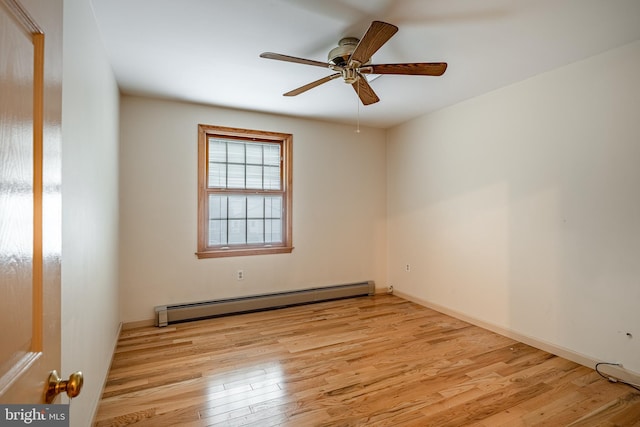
(286, 142)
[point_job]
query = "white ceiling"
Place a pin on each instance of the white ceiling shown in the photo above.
(207, 51)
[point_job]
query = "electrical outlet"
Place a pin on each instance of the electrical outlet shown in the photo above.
(240, 275)
(390, 289)
(407, 267)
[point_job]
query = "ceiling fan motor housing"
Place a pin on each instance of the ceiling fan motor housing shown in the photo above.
(340, 55)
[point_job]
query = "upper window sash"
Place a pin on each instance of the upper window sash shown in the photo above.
(244, 165)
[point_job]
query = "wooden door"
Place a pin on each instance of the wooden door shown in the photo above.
(30, 133)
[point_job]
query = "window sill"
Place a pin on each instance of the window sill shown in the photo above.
(222, 253)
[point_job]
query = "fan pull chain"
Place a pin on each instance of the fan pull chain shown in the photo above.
(358, 109)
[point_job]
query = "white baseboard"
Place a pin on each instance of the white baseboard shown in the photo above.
(106, 375)
(137, 324)
(624, 374)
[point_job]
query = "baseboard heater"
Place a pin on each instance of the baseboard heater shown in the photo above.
(166, 314)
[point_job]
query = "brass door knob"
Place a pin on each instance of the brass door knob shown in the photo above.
(56, 385)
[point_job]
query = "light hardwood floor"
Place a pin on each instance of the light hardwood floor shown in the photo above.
(371, 361)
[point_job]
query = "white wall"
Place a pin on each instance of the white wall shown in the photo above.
(339, 208)
(521, 208)
(90, 315)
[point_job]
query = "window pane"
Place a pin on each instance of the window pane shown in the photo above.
(217, 207)
(273, 207)
(255, 231)
(217, 232)
(217, 175)
(217, 150)
(237, 231)
(235, 152)
(237, 207)
(272, 154)
(255, 207)
(236, 176)
(254, 177)
(271, 178)
(254, 154)
(273, 231)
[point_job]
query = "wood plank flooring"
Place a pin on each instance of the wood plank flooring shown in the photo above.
(371, 361)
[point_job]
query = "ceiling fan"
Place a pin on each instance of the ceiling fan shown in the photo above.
(351, 61)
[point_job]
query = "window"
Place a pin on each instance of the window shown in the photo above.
(244, 192)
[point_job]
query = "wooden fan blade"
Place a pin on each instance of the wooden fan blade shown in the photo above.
(414, 69)
(311, 85)
(287, 58)
(378, 34)
(364, 91)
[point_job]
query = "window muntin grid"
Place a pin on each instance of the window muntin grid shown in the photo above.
(241, 165)
(243, 219)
